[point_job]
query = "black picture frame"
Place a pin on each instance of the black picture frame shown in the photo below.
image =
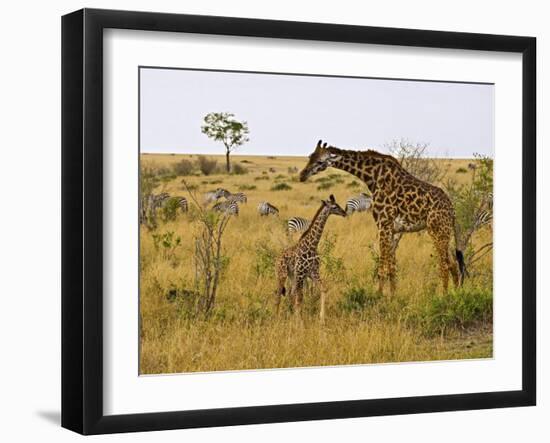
(82, 218)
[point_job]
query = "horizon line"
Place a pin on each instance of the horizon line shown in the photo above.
(285, 155)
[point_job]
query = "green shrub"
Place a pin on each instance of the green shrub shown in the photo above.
(459, 308)
(183, 167)
(461, 170)
(246, 161)
(326, 185)
(265, 260)
(207, 165)
(170, 210)
(334, 266)
(167, 243)
(280, 177)
(281, 187)
(357, 299)
(238, 169)
(322, 180)
(247, 187)
(261, 177)
(167, 177)
(271, 158)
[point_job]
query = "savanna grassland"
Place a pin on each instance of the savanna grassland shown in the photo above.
(242, 331)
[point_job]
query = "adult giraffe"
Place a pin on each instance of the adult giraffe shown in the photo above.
(401, 203)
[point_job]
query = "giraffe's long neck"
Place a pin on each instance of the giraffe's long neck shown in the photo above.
(313, 235)
(364, 167)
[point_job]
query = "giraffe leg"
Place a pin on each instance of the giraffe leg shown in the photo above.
(386, 267)
(298, 294)
(453, 267)
(441, 243)
(322, 293)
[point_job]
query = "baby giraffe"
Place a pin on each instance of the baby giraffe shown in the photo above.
(301, 261)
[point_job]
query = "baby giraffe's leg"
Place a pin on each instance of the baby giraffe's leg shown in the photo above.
(322, 292)
(298, 293)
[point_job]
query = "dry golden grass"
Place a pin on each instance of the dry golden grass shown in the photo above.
(243, 332)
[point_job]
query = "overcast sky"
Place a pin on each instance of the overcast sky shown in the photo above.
(287, 114)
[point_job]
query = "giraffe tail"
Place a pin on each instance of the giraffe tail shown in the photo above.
(461, 265)
(459, 255)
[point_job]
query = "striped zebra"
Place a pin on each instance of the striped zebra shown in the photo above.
(149, 205)
(266, 208)
(213, 196)
(483, 218)
(227, 207)
(297, 224)
(360, 203)
(239, 197)
(183, 204)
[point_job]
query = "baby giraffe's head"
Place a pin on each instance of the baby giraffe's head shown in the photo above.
(319, 160)
(334, 208)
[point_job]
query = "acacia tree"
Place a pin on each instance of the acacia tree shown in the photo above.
(223, 127)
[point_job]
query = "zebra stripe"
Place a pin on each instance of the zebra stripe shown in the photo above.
(228, 207)
(360, 203)
(266, 208)
(297, 224)
(483, 218)
(182, 203)
(239, 197)
(212, 196)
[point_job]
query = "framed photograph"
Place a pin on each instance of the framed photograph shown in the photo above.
(269, 221)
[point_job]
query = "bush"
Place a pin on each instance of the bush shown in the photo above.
(271, 158)
(247, 187)
(326, 185)
(170, 210)
(166, 178)
(261, 177)
(281, 187)
(207, 165)
(322, 180)
(280, 177)
(238, 169)
(183, 167)
(357, 299)
(333, 265)
(167, 243)
(462, 308)
(246, 161)
(264, 264)
(461, 170)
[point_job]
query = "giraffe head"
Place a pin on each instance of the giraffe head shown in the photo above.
(334, 208)
(319, 160)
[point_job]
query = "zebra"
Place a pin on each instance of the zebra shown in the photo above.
(228, 207)
(297, 224)
(182, 203)
(483, 218)
(149, 206)
(212, 196)
(239, 197)
(360, 203)
(266, 208)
